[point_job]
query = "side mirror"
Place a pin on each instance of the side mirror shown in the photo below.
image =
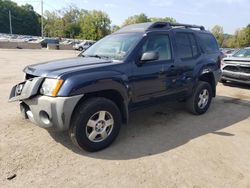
(149, 56)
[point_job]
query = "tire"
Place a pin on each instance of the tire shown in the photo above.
(204, 91)
(81, 49)
(91, 120)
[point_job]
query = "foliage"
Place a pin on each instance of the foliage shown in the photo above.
(67, 25)
(73, 22)
(114, 28)
(140, 18)
(164, 19)
(218, 33)
(24, 19)
(94, 25)
(240, 39)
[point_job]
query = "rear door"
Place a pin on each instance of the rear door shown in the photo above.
(189, 56)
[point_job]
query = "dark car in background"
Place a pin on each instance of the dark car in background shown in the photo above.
(46, 41)
(237, 67)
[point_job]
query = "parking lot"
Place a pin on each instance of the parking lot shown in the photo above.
(162, 146)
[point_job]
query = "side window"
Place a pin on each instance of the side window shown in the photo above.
(160, 44)
(193, 45)
(208, 43)
(184, 45)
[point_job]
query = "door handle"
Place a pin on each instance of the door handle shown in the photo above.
(172, 67)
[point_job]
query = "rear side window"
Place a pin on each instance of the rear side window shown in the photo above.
(186, 45)
(208, 43)
(193, 45)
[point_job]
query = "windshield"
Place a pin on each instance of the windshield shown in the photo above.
(114, 47)
(242, 53)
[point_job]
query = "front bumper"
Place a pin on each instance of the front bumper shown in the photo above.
(53, 113)
(236, 76)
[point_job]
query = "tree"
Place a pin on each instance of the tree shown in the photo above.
(218, 33)
(71, 18)
(243, 37)
(73, 22)
(115, 28)
(164, 19)
(53, 24)
(140, 18)
(24, 19)
(95, 25)
(247, 35)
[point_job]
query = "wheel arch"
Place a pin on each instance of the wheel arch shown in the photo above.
(209, 78)
(112, 95)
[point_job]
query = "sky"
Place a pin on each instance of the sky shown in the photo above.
(231, 14)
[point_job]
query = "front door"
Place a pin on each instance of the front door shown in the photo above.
(153, 78)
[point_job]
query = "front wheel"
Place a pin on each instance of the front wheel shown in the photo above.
(95, 124)
(201, 98)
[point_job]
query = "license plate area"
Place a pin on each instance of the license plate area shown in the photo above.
(25, 90)
(19, 88)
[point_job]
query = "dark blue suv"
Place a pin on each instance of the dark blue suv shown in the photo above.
(91, 95)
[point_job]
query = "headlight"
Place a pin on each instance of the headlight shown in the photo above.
(50, 87)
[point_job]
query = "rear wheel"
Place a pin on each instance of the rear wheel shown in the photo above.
(95, 124)
(201, 98)
(80, 48)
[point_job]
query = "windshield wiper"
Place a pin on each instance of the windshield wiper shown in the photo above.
(97, 56)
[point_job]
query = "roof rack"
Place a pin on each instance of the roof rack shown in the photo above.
(171, 25)
(142, 27)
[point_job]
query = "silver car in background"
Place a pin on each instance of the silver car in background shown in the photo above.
(237, 67)
(84, 45)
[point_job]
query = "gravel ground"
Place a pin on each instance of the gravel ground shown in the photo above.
(162, 146)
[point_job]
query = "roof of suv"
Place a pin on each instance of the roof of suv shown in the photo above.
(150, 26)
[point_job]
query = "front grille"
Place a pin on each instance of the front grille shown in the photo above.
(237, 69)
(245, 69)
(29, 76)
(231, 68)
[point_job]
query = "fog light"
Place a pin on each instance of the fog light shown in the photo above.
(44, 116)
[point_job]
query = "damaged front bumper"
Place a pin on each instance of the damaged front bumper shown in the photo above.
(53, 113)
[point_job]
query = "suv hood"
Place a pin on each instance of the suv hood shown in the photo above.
(56, 68)
(237, 60)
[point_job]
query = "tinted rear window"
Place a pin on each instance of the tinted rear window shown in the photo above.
(183, 45)
(193, 45)
(208, 43)
(187, 46)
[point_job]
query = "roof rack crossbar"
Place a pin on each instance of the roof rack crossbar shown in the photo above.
(170, 25)
(187, 26)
